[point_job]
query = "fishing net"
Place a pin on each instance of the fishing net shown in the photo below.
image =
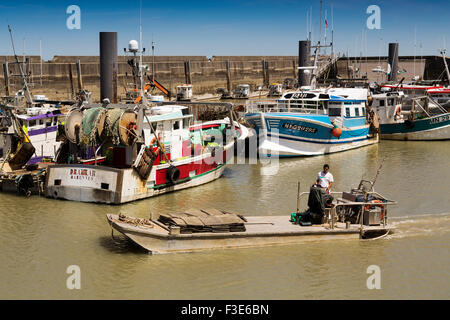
(92, 125)
(120, 126)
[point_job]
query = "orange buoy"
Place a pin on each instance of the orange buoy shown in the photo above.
(336, 132)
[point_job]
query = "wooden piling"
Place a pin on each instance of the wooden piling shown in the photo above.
(227, 64)
(294, 65)
(263, 64)
(6, 76)
(69, 66)
(187, 71)
(80, 79)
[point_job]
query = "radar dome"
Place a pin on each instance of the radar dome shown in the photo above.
(133, 46)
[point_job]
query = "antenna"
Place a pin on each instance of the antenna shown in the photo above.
(142, 46)
(326, 27)
(307, 24)
(310, 23)
(153, 60)
(40, 55)
(332, 31)
(415, 45)
(320, 24)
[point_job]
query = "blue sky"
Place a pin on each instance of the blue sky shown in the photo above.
(228, 27)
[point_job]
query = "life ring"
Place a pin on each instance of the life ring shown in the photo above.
(398, 112)
(367, 207)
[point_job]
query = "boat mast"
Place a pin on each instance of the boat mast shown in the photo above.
(415, 45)
(24, 80)
(310, 24)
(445, 64)
(153, 61)
(140, 53)
(307, 25)
(320, 23)
(332, 32)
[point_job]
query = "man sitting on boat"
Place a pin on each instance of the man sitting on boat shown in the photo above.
(325, 178)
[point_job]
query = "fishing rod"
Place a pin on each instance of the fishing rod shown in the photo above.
(378, 171)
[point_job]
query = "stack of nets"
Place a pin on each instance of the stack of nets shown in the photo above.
(205, 220)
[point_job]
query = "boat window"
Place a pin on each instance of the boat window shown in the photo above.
(381, 103)
(347, 102)
(48, 123)
(31, 123)
(309, 96)
(347, 112)
(176, 125)
(185, 122)
(334, 112)
(324, 96)
(390, 101)
(287, 96)
(357, 112)
(364, 111)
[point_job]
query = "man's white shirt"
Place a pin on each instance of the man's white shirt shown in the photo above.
(325, 179)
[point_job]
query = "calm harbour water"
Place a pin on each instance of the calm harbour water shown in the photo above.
(40, 238)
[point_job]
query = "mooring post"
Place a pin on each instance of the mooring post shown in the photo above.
(69, 66)
(187, 71)
(304, 60)
(263, 65)
(6, 76)
(227, 65)
(393, 61)
(80, 79)
(294, 64)
(298, 197)
(108, 66)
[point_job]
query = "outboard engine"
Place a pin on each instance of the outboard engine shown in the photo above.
(318, 200)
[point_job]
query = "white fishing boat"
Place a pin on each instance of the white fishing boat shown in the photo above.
(441, 96)
(132, 159)
(423, 121)
(313, 122)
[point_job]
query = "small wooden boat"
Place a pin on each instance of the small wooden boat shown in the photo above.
(196, 230)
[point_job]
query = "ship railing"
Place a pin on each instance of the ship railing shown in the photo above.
(311, 107)
(331, 213)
